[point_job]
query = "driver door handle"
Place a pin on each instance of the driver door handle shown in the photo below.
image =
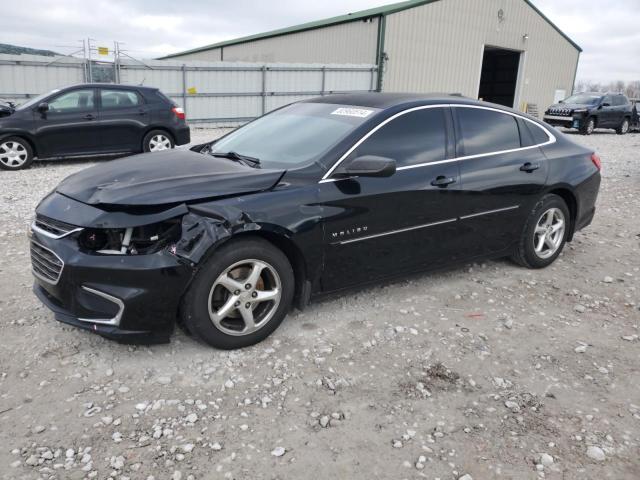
(529, 167)
(442, 181)
(89, 116)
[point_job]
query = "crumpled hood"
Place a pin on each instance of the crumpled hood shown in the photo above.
(168, 177)
(5, 110)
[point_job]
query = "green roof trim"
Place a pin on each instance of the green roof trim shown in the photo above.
(349, 17)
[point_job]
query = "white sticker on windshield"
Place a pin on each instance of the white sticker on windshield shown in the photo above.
(352, 112)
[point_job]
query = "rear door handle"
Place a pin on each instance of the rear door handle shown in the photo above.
(89, 116)
(442, 181)
(529, 167)
(142, 112)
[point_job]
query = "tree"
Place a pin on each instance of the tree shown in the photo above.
(630, 89)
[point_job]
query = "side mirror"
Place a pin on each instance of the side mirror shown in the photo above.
(203, 147)
(43, 107)
(369, 166)
(606, 105)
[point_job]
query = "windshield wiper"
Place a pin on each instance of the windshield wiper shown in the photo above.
(249, 161)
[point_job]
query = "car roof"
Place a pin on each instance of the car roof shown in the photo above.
(386, 101)
(108, 85)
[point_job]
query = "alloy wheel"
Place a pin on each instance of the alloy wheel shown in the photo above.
(625, 126)
(244, 297)
(13, 154)
(159, 143)
(549, 233)
(591, 126)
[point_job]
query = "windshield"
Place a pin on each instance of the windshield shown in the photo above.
(583, 99)
(35, 100)
(295, 135)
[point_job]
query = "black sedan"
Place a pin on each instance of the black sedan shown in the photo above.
(315, 197)
(89, 119)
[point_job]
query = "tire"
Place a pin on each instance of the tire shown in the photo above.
(623, 129)
(588, 126)
(528, 254)
(223, 287)
(15, 153)
(157, 140)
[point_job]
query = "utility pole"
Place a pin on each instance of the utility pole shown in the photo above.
(90, 69)
(116, 61)
(84, 56)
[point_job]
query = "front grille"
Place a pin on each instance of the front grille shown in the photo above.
(54, 228)
(560, 111)
(45, 264)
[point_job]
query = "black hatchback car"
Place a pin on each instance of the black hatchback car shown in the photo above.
(588, 111)
(90, 119)
(312, 198)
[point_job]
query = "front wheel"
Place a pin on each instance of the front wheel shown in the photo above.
(623, 129)
(157, 140)
(240, 295)
(15, 153)
(544, 234)
(588, 126)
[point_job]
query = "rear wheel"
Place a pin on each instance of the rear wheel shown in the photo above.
(623, 129)
(157, 140)
(545, 233)
(15, 153)
(240, 296)
(588, 126)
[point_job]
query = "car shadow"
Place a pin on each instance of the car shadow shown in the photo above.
(595, 132)
(435, 276)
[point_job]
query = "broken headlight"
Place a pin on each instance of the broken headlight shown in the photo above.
(142, 240)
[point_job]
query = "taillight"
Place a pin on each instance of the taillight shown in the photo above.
(178, 112)
(595, 158)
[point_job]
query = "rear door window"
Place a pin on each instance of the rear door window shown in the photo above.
(115, 99)
(620, 100)
(486, 131)
(538, 134)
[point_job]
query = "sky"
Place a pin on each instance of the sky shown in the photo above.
(608, 32)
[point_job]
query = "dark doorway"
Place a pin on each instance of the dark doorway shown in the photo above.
(499, 76)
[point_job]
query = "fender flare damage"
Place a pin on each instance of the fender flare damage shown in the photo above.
(201, 235)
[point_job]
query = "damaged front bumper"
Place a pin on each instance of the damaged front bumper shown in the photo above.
(128, 298)
(125, 298)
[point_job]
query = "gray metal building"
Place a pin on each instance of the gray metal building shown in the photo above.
(504, 51)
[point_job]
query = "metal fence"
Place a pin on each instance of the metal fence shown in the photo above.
(25, 76)
(210, 92)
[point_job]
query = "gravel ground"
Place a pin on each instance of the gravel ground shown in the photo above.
(482, 372)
